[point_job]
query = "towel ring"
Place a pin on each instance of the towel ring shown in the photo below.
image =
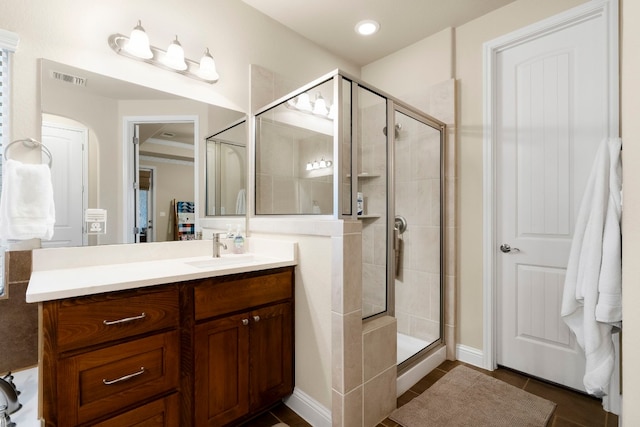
(31, 143)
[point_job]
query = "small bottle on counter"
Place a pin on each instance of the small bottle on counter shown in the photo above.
(238, 242)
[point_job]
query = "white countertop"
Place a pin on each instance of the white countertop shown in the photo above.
(70, 272)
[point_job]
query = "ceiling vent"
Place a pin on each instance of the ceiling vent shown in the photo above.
(68, 78)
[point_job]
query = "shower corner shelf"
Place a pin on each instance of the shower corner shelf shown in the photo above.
(364, 176)
(369, 216)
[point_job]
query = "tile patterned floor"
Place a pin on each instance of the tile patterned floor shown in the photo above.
(573, 410)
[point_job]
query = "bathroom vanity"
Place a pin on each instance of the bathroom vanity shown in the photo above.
(210, 345)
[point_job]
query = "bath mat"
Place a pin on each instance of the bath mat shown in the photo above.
(466, 397)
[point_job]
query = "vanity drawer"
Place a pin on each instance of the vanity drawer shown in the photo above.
(95, 320)
(217, 298)
(100, 382)
(159, 413)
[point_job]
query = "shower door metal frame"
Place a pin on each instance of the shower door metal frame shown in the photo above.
(394, 106)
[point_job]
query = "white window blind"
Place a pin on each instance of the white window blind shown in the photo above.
(4, 104)
(8, 44)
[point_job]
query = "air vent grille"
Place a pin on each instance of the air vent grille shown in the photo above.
(68, 78)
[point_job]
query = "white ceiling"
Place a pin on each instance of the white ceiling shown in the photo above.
(330, 23)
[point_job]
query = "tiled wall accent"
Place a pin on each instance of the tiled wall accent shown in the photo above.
(18, 319)
(380, 372)
(346, 317)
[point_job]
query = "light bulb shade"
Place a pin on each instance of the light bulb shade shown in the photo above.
(316, 164)
(138, 44)
(333, 111)
(175, 56)
(323, 163)
(208, 67)
(320, 106)
(309, 166)
(303, 103)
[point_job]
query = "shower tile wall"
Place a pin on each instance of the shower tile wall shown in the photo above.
(372, 155)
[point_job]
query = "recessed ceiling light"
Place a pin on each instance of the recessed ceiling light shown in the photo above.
(367, 27)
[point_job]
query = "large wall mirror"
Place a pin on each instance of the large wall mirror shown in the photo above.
(130, 150)
(226, 171)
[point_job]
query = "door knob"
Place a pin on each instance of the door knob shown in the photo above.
(506, 248)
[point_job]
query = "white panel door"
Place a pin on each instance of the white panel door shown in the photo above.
(552, 98)
(68, 179)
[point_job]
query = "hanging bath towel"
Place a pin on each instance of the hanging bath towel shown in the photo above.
(592, 299)
(27, 209)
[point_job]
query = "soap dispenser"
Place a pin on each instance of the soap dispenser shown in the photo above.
(238, 242)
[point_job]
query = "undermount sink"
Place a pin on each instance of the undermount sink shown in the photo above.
(223, 260)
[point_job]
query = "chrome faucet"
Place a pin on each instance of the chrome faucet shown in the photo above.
(216, 245)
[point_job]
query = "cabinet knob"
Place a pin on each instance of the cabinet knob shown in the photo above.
(245, 322)
(256, 318)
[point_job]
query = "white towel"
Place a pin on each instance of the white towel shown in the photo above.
(27, 209)
(592, 299)
(240, 202)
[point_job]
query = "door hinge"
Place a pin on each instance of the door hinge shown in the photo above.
(136, 140)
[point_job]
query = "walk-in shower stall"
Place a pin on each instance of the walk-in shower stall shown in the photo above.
(341, 148)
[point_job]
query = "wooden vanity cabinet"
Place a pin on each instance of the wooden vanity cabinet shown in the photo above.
(110, 354)
(208, 352)
(243, 352)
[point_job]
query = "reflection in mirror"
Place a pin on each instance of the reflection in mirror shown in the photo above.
(294, 155)
(99, 113)
(226, 171)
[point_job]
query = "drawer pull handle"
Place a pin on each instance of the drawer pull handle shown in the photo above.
(125, 320)
(245, 322)
(124, 378)
(256, 318)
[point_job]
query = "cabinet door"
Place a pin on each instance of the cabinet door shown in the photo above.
(221, 370)
(271, 355)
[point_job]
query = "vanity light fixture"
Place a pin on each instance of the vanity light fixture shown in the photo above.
(175, 56)
(304, 103)
(137, 47)
(322, 164)
(318, 107)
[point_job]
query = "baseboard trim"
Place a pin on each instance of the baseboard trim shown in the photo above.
(470, 355)
(308, 408)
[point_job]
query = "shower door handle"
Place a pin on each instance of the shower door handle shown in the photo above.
(507, 249)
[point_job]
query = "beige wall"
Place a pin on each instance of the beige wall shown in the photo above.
(408, 73)
(630, 80)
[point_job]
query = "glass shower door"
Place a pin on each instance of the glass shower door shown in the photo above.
(416, 246)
